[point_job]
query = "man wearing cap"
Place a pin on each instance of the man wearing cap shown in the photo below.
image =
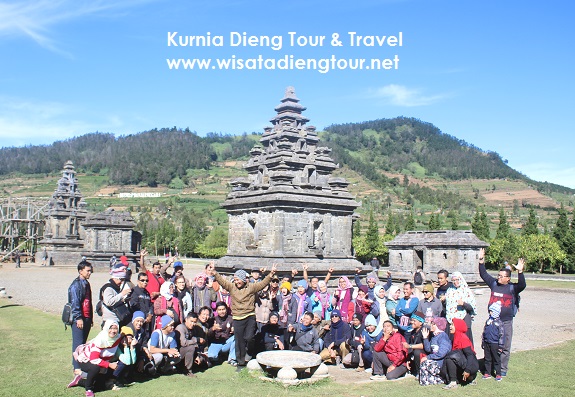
(163, 346)
(506, 292)
(243, 295)
(114, 294)
(430, 305)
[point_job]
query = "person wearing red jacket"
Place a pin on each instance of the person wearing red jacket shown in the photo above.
(389, 355)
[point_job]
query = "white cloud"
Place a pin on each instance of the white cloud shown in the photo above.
(399, 95)
(35, 18)
(24, 122)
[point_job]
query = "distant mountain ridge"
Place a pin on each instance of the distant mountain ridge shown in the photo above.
(401, 145)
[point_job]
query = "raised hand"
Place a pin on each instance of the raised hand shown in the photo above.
(482, 255)
(520, 265)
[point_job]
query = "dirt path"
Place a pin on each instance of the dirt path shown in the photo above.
(544, 318)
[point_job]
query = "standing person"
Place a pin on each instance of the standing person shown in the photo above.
(167, 304)
(80, 297)
(155, 280)
(17, 258)
(375, 263)
(443, 284)
(114, 295)
(460, 302)
(430, 305)
(392, 297)
(141, 300)
(506, 292)
(243, 301)
(44, 257)
(493, 341)
(202, 294)
(405, 308)
(342, 299)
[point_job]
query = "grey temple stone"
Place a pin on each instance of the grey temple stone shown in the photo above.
(452, 250)
(70, 233)
(289, 209)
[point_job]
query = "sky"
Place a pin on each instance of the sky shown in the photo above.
(497, 74)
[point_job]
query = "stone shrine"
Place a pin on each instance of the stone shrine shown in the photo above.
(289, 210)
(70, 233)
(452, 250)
(63, 235)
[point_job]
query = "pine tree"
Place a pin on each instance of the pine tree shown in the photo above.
(438, 224)
(480, 225)
(390, 226)
(372, 240)
(454, 223)
(410, 225)
(504, 229)
(530, 227)
(356, 231)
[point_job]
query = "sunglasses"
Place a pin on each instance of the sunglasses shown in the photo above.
(144, 280)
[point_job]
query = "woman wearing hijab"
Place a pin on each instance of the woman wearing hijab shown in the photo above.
(342, 299)
(392, 297)
(460, 302)
(97, 354)
(336, 339)
(435, 349)
(379, 302)
(461, 364)
(168, 304)
(371, 335)
(321, 299)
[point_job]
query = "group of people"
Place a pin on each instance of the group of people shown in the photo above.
(167, 323)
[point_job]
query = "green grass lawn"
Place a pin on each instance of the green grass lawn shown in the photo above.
(35, 361)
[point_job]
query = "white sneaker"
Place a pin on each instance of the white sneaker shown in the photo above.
(368, 370)
(378, 378)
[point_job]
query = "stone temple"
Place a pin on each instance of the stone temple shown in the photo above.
(290, 210)
(70, 232)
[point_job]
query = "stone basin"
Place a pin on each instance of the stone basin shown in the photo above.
(299, 361)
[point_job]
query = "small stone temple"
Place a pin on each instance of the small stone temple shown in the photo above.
(452, 250)
(71, 233)
(290, 210)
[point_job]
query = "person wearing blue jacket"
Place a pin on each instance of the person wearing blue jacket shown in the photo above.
(436, 349)
(80, 298)
(406, 306)
(493, 341)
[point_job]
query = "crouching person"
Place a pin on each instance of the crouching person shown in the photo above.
(188, 342)
(303, 336)
(336, 340)
(163, 346)
(141, 332)
(389, 355)
(222, 336)
(96, 358)
(126, 358)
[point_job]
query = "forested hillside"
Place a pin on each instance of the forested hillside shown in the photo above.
(152, 157)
